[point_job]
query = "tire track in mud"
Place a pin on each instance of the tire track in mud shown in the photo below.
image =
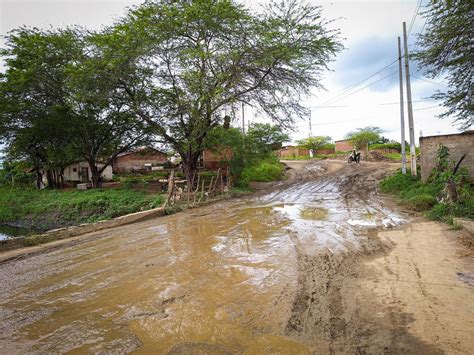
(320, 315)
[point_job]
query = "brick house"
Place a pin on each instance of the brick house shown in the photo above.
(290, 151)
(458, 145)
(344, 145)
(141, 159)
(216, 158)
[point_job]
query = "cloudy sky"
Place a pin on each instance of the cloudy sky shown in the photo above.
(369, 29)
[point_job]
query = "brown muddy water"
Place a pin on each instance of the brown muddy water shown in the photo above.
(219, 279)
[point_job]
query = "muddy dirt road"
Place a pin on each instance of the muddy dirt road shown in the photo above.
(319, 263)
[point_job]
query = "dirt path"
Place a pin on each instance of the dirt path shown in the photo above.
(320, 263)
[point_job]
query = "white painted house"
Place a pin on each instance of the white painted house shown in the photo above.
(80, 172)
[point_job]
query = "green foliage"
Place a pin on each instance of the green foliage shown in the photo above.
(315, 143)
(50, 208)
(198, 60)
(263, 138)
(263, 171)
(423, 197)
(388, 145)
(362, 137)
(446, 51)
(252, 153)
(398, 182)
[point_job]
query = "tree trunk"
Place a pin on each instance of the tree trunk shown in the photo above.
(49, 179)
(96, 180)
(39, 179)
(190, 167)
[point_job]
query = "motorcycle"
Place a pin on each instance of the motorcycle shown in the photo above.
(354, 158)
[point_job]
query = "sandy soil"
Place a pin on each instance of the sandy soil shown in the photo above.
(318, 263)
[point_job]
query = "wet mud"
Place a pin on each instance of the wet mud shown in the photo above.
(278, 272)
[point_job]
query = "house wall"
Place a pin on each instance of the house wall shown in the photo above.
(344, 145)
(215, 159)
(324, 151)
(385, 151)
(291, 152)
(72, 172)
(136, 161)
(458, 144)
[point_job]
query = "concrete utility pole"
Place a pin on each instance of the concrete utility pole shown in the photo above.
(310, 128)
(243, 118)
(402, 114)
(410, 107)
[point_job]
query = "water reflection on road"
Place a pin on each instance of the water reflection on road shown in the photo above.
(216, 279)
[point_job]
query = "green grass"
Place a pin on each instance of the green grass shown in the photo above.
(298, 157)
(263, 171)
(52, 208)
(394, 156)
(423, 197)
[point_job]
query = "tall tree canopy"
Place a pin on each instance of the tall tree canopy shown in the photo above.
(197, 60)
(315, 143)
(446, 49)
(362, 137)
(60, 102)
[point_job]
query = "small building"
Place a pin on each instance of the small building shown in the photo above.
(290, 151)
(80, 172)
(458, 145)
(344, 145)
(213, 159)
(141, 159)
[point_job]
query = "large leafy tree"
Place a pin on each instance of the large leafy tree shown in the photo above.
(446, 49)
(264, 137)
(362, 137)
(197, 60)
(61, 102)
(34, 123)
(315, 143)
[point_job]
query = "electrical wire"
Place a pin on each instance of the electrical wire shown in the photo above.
(355, 92)
(349, 88)
(415, 14)
(426, 108)
(428, 81)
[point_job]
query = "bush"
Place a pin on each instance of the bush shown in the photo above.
(423, 197)
(263, 171)
(397, 182)
(390, 145)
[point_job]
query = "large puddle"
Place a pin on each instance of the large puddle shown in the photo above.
(220, 279)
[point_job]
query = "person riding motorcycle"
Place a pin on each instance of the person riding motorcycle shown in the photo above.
(354, 157)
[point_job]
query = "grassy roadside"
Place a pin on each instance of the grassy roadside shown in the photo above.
(424, 197)
(46, 209)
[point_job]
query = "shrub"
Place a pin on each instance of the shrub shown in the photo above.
(264, 171)
(397, 182)
(389, 145)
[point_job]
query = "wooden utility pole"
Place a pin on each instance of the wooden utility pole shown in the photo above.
(310, 128)
(410, 107)
(402, 114)
(243, 118)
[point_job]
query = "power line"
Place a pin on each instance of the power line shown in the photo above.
(397, 103)
(349, 88)
(428, 81)
(426, 108)
(415, 14)
(355, 92)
